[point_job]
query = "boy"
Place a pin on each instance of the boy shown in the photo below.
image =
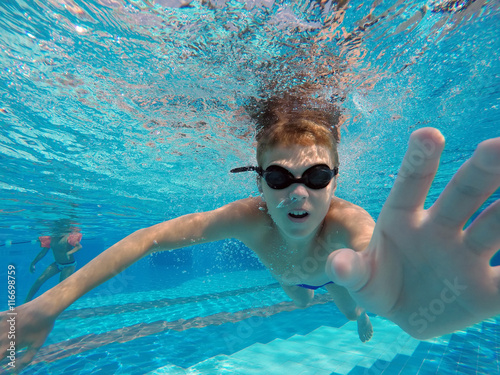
(63, 247)
(308, 238)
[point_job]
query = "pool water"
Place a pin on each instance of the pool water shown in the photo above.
(119, 114)
(231, 324)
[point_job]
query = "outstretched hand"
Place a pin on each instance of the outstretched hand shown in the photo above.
(30, 326)
(422, 270)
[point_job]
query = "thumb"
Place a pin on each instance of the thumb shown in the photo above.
(348, 268)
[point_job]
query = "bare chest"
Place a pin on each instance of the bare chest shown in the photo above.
(293, 266)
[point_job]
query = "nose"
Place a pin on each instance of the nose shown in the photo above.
(298, 192)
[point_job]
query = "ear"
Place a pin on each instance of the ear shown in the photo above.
(259, 186)
(334, 182)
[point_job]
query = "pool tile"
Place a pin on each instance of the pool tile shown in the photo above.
(429, 367)
(358, 370)
(344, 368)
(281, 346)
(265, 353)
(275, 352)
(169, 369)
(396, 365)
(292, 367)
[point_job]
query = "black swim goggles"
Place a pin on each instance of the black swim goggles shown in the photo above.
(317, 177)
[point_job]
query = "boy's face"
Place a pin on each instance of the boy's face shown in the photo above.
(297, 209)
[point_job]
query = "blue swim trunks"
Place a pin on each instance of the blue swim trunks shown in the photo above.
(65, 265)
(314, 287)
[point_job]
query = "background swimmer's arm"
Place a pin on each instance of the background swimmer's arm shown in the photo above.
(39, 256)
(75, 249)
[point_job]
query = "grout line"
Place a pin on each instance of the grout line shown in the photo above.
(88, 342)
(137, 306)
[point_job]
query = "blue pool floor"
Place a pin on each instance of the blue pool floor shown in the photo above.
(243, 323)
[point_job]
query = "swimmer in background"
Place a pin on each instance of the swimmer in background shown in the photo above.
(63, 247)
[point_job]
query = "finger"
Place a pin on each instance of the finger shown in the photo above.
(483, 235)
(417, 171)
(4, 341)
(26, 358)
(474, 182)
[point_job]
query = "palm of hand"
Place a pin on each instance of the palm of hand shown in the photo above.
(421, 269)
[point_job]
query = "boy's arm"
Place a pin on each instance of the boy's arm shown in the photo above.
(75, 249)
(36, 318)
(39, 256)
(424, 269)
(183, 231)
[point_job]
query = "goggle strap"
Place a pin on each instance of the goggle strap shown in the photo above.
(249, 168)
(259, 170)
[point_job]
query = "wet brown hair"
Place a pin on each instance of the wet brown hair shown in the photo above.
(294, 119)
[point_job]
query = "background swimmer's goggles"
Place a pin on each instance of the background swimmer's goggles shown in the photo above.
(316, 177)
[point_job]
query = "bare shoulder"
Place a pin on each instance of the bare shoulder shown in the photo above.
(248, 208)
(352, 221)
(240, 220)
(340, 209)
(244, 216)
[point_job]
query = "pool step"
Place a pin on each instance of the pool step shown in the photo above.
(325, 350)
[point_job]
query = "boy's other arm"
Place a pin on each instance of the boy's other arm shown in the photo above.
(74, 249)
(187, 230)
(35, 319)
(39, 257)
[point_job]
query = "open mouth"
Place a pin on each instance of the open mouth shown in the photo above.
(298, 214)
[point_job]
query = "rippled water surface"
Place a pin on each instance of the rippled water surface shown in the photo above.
(118, 114)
